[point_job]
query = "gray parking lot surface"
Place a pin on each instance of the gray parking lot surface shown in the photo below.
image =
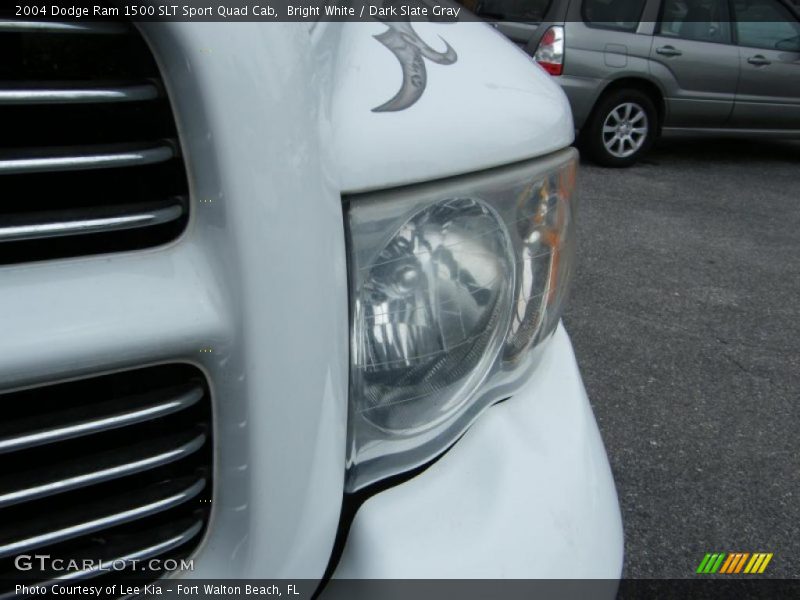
(685, 317)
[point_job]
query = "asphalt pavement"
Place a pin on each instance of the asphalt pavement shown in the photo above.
(685, 317)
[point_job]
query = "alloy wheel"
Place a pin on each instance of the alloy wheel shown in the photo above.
(625, 130)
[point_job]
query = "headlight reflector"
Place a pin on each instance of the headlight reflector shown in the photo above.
(429, 311)
(453, 286)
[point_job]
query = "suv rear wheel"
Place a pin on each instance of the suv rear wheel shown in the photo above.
(622, 128)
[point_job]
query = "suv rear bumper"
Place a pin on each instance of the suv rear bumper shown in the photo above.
(526, 493)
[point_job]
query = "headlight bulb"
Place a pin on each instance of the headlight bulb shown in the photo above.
(429, 311)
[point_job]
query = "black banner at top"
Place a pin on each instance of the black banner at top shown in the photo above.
(522, 11)
(240, 10)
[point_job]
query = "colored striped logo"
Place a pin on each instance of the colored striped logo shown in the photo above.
(734, 562)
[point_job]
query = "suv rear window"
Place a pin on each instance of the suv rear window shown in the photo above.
(706, 21)
(766, 24)
(613, 14)
(525, 11)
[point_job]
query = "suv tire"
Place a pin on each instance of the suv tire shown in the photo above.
(622, 128)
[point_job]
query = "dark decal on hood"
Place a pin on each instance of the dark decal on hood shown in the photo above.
(411, 51)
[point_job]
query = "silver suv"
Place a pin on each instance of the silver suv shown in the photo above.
(633, 69)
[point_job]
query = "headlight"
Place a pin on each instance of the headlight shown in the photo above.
(429, 312)
(453, 285)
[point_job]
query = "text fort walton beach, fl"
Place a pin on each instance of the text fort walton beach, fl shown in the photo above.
(156, 589)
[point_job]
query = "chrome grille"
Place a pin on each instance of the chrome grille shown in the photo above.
(112, 468)
(89, 159)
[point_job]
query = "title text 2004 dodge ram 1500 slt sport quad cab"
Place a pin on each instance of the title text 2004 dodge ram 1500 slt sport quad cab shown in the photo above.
(252, 269)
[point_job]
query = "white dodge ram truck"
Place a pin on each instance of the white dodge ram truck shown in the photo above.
(282, 300)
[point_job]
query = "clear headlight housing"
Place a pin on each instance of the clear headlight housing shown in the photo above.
(454, 285)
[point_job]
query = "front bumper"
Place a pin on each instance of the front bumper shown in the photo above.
(526, 493)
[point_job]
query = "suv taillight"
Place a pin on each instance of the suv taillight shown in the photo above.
(550, 53)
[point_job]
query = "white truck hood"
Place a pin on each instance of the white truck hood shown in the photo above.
(483, 103)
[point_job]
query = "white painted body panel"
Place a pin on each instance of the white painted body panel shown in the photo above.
(492, 107)
(246, 101)
(275, 124)
(526, 493)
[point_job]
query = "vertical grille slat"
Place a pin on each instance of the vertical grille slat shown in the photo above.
(133, 547)
(83, 160)
(97, 28)
(88, 136)
(138, 554)
(94, 469)
(105, 468)
(76, 94)
(120, 218)
(106, 416)
(78, 526)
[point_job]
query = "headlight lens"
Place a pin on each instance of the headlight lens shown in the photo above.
(453, 284)
(428, 313)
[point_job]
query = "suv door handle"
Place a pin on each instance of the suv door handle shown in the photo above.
(759, 60)
(668, 51)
